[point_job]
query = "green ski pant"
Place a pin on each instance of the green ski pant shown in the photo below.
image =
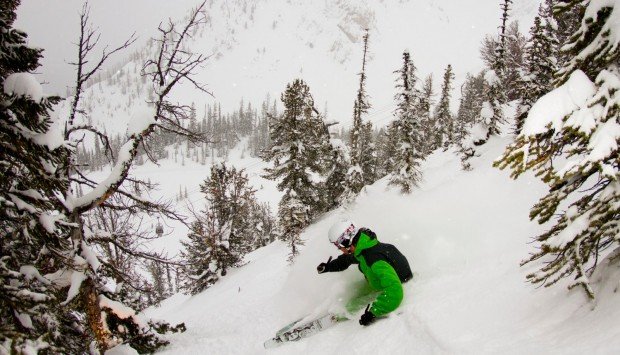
(364, 295)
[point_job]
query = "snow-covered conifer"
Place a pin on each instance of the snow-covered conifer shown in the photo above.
(471, 103)
(265, 225)
(335, 182)
(503, 35)
(570, 138)
(387, 148)
(369, 154)
(567, 17)
(296, 154)
(503, 57)
(443, 115)
(159, 290)
(32, 230)
(429, 127)
(293, 216)
(230, 199)
(514, 62)
(360, 141)
(406, 172)
(206, 253)
(492, 114)
(540, 63)
(232, 225)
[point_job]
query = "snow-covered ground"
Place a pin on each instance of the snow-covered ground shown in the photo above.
(464, 234)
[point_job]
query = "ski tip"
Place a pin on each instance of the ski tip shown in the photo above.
(271, 343)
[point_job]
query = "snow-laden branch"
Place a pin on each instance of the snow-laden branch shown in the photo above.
(111, 184)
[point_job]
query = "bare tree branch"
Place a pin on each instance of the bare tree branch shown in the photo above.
(88, 40)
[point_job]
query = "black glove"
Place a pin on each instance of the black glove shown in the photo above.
(367, 318)
(323, 266)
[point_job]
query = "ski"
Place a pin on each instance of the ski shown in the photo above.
(294, 332)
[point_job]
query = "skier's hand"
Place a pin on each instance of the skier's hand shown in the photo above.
(367, 318)
(323, 266)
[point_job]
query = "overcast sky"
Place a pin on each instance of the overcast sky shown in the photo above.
(54, 26)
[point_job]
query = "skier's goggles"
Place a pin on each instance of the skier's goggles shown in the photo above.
(344, 240)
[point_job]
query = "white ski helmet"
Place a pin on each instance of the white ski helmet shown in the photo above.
(342, 232)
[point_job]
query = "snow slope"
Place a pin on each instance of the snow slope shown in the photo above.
(464, 234)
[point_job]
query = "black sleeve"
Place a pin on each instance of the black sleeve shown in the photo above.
(341, 263)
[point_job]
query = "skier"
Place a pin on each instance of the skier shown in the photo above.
(384, 267)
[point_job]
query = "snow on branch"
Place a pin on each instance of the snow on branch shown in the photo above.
(172, 66)
(109, 185)
(76, 282)
(23, 84)
(559, 103)
(607, 38)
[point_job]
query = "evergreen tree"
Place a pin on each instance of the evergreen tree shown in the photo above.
(429, 127)
(293, 216)
(265, 226)
(503, 55)
(295, 153)
(232, 225)
(335, 183)
(261, 133)
(470, 107)
(491, 114)
(32, 232)
(360, 142)
(159, 290)
(381, 140)
(568, 151)
(503, 74)
(503, 35)
(541, 60)
(406, 174)
(567, 15)
(512, 77)
(206, 253)
(369, 154)
(387, 148)
(443, 115)
(230, 199)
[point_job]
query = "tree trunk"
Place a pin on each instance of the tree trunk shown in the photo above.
(90, 301)
(88, 294)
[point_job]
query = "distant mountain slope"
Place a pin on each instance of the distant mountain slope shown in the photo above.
(257, 47)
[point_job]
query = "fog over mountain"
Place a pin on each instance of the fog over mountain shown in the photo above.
(259, 46)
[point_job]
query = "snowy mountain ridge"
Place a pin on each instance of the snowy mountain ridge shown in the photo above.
(257, 47)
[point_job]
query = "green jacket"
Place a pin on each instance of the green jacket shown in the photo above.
(384, 267)
(381, 276)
